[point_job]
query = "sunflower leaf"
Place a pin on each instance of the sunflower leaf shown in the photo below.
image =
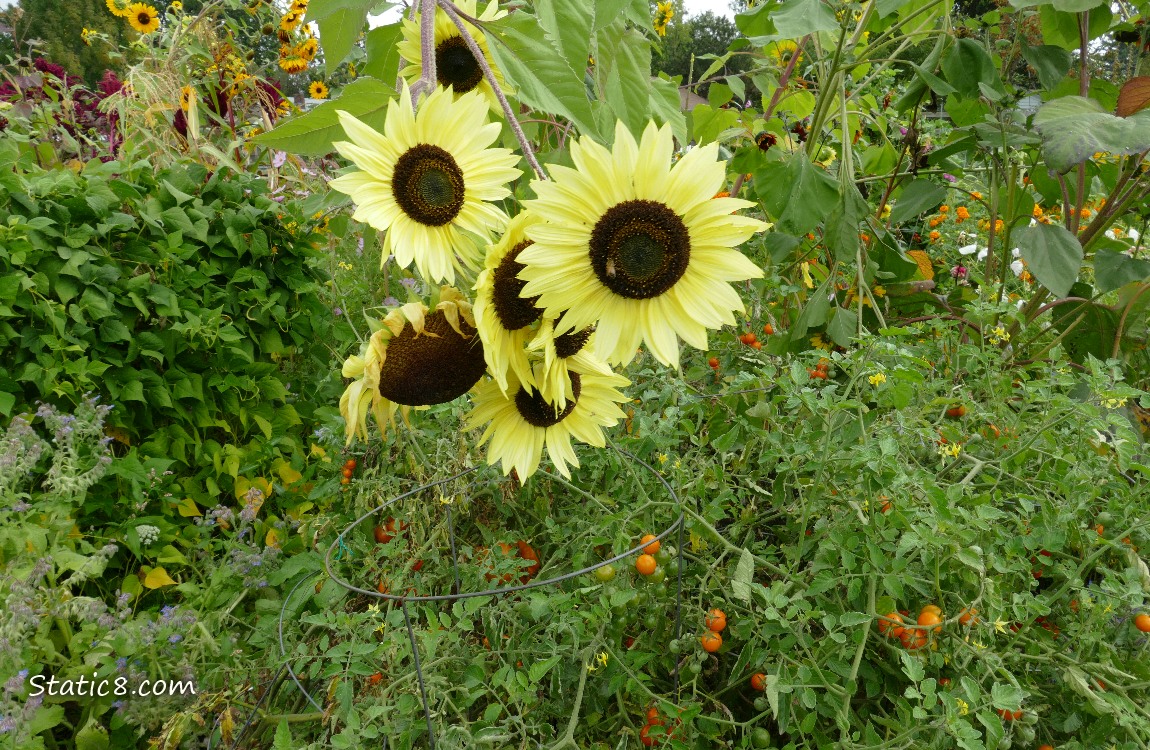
(544, 80)
(312, 134)
(625, 69)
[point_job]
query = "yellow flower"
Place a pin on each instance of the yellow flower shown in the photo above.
(1113, 403)
(818, 342)
(428, 178)
(186, 94)
(877, 378)
(84, 34)
(963, 706)
(662, 458)
(951, 449)
(782, 51)
(1000, 626)
(999, 335)
(292, 19)
(808, 282)
(879, 291)
(176, 6)
(317, 90)
(638, 248)
(143, 18)
(976, 195)
(664, 12)
(116, 9)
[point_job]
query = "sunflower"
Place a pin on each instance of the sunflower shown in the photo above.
(521, 424)
(782, 51)
(292, 63)
(317, 90)
(143, 18)
(455, 66)
(308, 49)
(561, 354)
(116, 9)
(291, 20)
(427, 177)
(506, 320)
(417, 357)
(186, 94)
(637, 248)
(664, 12)
(176, 6)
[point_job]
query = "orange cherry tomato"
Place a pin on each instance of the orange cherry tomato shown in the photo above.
(713, 362)
(375, 679)
(1142, 622)
(654, 545)
(711, 641)
(890, 625)
(968, 616)
(759, 681)
(930, 620)
(716, 621)
(956, 412)
(645, 564)
(768, 329)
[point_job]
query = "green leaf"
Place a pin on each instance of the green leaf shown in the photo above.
(1093, 332)
(797, 18)
(664, 105)
(625, 68)
(1076, 6)
(758, 22)
(1003, 695)
(1114, 269)
(936, 84)
(283, 739)
(1053, 255)
(312, 134)
(744, 574)
(843, 326)
(44, 719)
(708, 123)
(796, 193)
(536, 671)
(544, 79)
(7, 401)
(844, 223)
(1050, 62)
(916, 197)
(340, 24)
(382, 52)
(92, 737)
(567, 24)
(1074, 128)
(1061, 28)
(968, 64)
(911, 666)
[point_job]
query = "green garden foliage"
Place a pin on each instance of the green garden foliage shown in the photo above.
(183, 294)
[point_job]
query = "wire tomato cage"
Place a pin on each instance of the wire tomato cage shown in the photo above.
(334, 556)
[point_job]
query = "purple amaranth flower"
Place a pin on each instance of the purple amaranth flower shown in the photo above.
(959, 272)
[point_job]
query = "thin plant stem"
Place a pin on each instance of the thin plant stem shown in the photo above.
(488, 74)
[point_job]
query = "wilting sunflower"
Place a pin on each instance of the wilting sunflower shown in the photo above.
(143, 18)
(455, 66)
(317, 90)
(418, 357)
(637, 248)
(290, 62)
(561, 354)
(307, 49)
(506, 320)
(664, 12)
(291, 19)
(521, 424)
(427, 177)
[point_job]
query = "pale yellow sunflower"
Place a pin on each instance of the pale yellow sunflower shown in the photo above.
(428, 178)
(143, 18)
(317, 90)
(636, 248)
(506, 321)
(560, 354)
(416, 357)
(520, 424)
(455, 66)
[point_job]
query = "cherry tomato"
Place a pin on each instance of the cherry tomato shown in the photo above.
(375, 679)
(759, 681)
(653, 547)
(644, 738)
(653, 716)
(645, 564)
(711, 641)
(890, 625)
(604, 573)
(1142, 622)
(768, 329)
(716, 621)
(930, 620)
(345, 480)
(956, 412)
(658, 576)
(713, 362)
(968, 616)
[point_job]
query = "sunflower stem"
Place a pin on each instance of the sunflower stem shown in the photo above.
(489, 75)
(427, 80)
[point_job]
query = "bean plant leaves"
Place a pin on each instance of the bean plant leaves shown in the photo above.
(1114, 269)
(1050, 62)
(1074, 128)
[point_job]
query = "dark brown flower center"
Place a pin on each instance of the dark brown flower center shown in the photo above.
(572, 342)
(639, 249)
(455, 66)
(538, 413)
(428, 185)
(144, 18)
(514, 312)
(433, 367)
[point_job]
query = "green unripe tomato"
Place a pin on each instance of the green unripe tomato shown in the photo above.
(760, 737)
(665, 555)
(1025, 734)
(604, 573)
(675, 647)
(650, 622)
(658, 576)
(762, 704)
(694, 668)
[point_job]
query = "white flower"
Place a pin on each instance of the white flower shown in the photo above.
(971, 249)
(148, 534)
(1017, 267)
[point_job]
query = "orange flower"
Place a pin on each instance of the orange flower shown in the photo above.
(934, 236)
(936, 221)
(962, 213)
(1085, 213)
(1037, 211)
(976, 195)
(722, 194)
(943, 208)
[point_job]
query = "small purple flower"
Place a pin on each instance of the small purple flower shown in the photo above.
(959, 272)
(175, 638)
(902, 131)
(409, 283)
(949, 178)
(338, 311)
(278, 158)
(390, 301)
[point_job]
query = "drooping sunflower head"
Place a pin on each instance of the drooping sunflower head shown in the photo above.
(291, 20)
(308, 48)
(417, 357)
(561, 354)
(291, 63)
(317, 90)
(637, 248)
(143, 18)
(427, 179)
(505, 319)
(521, 422)
(455, 65)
